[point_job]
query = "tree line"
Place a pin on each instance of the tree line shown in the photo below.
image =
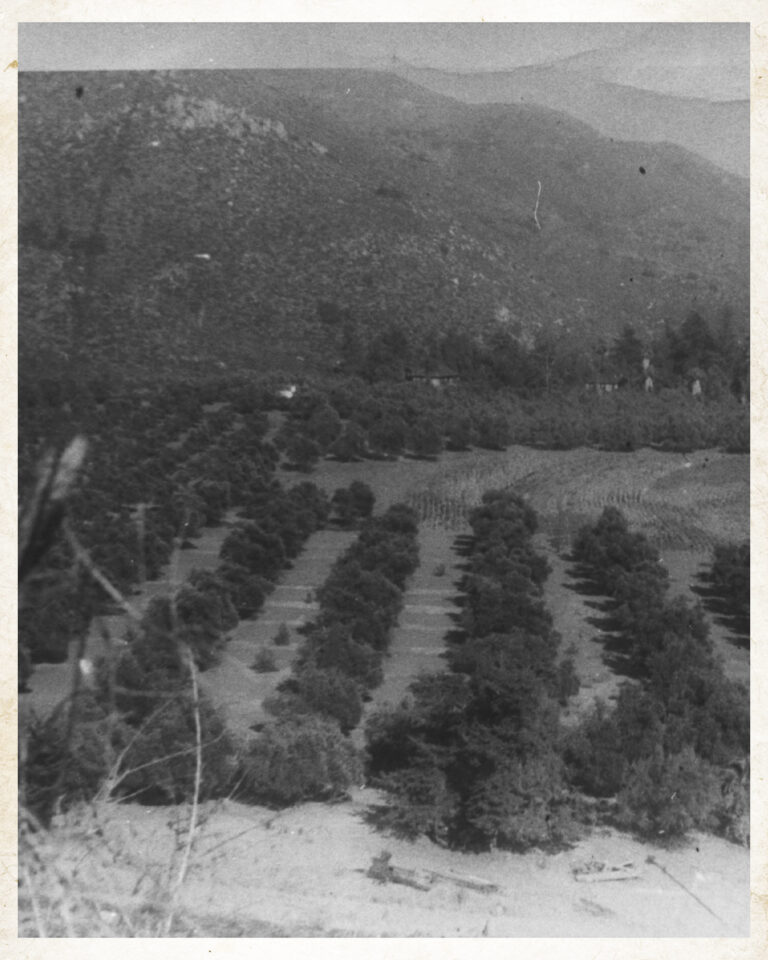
(558, 357)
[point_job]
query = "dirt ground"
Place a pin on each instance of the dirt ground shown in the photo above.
(302, 872)
(684, 567)
(418, 641)
(581, 639)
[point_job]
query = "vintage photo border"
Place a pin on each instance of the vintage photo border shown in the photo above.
(753, 11)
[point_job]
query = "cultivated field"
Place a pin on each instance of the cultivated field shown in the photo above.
(302, 872)
(684, 504)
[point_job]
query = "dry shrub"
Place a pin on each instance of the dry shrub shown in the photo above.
(283, 636)
(665, 796)
(264, 661)
(296, 760)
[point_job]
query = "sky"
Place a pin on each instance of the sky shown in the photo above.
(447, 46)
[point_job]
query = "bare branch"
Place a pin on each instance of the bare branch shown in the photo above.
(56, 477)
(196, 796)
(84, 558)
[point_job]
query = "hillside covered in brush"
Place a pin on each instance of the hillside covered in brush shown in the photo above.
(171, 220)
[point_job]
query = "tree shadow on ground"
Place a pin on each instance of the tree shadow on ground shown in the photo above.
(605, 618)
(463, 545)
(456, 637)
(584, 587)
(723, 610)
(582, 580)
(616, 649)
(617, 656)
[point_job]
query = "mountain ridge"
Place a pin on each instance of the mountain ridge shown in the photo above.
(366, 192)
(674, 59)
(715, 130)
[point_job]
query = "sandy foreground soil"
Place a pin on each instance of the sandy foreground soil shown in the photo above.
(302, 871)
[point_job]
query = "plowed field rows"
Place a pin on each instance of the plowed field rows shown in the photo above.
(679, 502)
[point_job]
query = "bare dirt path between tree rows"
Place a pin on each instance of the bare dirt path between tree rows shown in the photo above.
(580, 639)
(232, 686)
(418, 641)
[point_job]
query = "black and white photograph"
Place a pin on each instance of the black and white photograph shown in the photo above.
(384, 480)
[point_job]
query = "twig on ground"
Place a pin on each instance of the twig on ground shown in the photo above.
(654, 861)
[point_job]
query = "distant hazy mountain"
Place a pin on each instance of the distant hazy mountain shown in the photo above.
(209, 212)
(706, 61)
(716, 129)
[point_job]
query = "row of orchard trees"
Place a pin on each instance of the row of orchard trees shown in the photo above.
(478, 757)
(306, 753)
(137, 729)
(359, 605)
(471, 758)
(132, 730)
(158, 468)
(191, 465)
(670, 748)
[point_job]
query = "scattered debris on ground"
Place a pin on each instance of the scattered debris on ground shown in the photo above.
(596, 871)
(383, 871)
